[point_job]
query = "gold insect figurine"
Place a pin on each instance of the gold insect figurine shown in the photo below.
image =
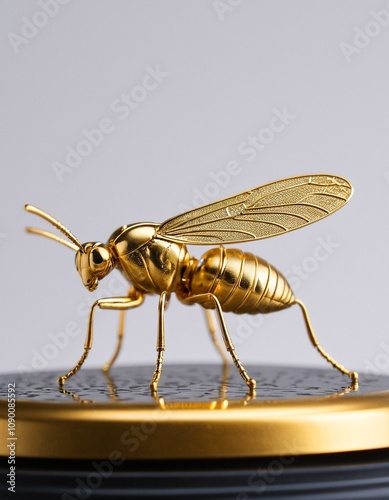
(155, 260)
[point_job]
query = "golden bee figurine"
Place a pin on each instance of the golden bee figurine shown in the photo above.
(155, 260)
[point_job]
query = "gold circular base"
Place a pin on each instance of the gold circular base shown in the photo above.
(200, 412)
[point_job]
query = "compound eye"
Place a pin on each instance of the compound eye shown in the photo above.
(99, 259)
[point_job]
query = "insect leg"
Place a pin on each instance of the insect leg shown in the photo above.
(163, 302)
(211, 323)
(117, 303)
(109, 363)
(132, 293)
(353, 375)
(251, 383)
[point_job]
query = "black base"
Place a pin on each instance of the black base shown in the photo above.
(341, 476)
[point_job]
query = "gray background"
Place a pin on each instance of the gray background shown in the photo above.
(227, 66)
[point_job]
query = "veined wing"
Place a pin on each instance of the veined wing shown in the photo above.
(262, 212)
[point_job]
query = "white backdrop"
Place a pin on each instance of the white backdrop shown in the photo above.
(116, 112)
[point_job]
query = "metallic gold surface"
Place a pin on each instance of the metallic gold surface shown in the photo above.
(54, 222)
(155, 260)
(290, 415)
(242, 282)
(261, 212)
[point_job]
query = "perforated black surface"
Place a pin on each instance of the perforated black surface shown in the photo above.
(188, 383)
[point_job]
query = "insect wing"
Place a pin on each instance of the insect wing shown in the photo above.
(262, 212)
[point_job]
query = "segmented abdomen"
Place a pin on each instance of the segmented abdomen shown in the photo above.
(242, 282)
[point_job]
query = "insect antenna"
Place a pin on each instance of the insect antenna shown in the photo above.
(75, 245)
(47, 234)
